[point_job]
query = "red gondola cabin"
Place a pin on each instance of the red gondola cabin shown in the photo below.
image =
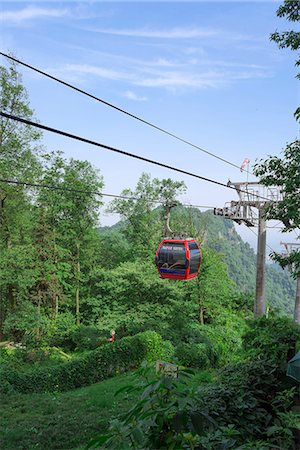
(178, 259)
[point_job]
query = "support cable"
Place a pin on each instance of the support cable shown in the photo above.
(82, 191)
(267, 245)
(121, 110)
(122, 152)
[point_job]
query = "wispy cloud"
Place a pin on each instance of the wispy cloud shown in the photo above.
(75, 71)
(173, 33)
(177, 78)
(30, 13)
(183, 80)
(133, 96)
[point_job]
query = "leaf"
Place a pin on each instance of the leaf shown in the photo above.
(127, 389)
(138, 435)
(99, 440)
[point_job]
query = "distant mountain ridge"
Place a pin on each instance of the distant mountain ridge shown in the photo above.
(241, 261)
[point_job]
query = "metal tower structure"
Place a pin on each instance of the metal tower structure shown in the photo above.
(253, 195)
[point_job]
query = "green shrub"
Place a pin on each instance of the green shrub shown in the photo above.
(254, 397)
(273, 338)
(192, 355)
(121, 356)
(60, 329)
(168, 351)
(22, 323)
(10, 356)
(248, 409)
(86, 337)
(162, 418)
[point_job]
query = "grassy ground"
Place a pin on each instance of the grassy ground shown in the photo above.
(65, 420)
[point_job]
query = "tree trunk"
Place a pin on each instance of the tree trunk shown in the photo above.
(200, 303)
(56, 306)
(38, 331)
(297, 303)
(77, 287)
(201, 315)
(77, 306)
(55, 258)
(11, 297)
(2, 314)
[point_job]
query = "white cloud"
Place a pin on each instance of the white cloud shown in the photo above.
(133, 96)
(31, 12)
(174, 33)
(74, 70)
(163, 74)
(172, 80)
(163, 62)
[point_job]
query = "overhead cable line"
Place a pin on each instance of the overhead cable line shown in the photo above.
(121, 110)
(122, 152)
(270, 248)
(82, 191)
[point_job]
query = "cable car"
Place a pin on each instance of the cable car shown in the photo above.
(178, 259)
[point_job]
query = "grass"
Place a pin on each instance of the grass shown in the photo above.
(66, 420)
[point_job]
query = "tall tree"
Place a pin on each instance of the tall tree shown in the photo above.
(285, 172)
(290, 10)
(19, 160)
(143, 230)
(72, 216)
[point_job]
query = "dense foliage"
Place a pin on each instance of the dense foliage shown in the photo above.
(285, 173)
(247, 408)
(97, 365)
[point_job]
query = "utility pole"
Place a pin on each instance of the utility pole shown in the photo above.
(290, 247)
(253, 195)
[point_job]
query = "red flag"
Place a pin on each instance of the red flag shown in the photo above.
(245, 163)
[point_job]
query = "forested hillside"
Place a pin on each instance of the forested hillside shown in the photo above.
(241, 261)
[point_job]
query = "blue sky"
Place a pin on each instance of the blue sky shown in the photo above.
(205, 71)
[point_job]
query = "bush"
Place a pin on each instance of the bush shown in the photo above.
(223, 338)
(11, 356)
(254, 397)
(273, 338)
(86, 337)
(168, 351)
(192, 355)
(60, 329)
(248, 409)
(22, 323)
(123, 355)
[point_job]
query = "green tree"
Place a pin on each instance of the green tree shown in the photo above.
(73, 217)
(131, 298)
(285, 173)
(19, 160)
(212, 288)
(290, 10)
(143, 230)
(47, 287)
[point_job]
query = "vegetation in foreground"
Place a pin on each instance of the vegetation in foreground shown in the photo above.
(67, 420)
(246, 404)
(249, 406)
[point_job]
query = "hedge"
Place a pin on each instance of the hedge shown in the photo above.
(98, 365)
